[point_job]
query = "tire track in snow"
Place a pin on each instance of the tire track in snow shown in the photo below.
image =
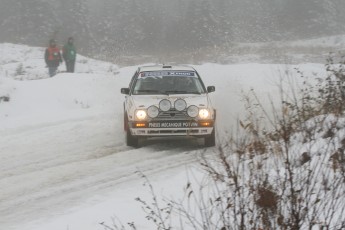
(46, 180)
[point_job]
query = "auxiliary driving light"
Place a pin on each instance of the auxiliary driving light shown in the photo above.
(192, 111)
(164, 105)
(180, 104)
(152, 111)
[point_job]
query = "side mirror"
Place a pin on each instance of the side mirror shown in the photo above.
(211, 89)
(125, 91)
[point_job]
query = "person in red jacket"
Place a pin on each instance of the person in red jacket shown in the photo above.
(52, 57)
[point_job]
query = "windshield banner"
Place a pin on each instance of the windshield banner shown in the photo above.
(167, 73)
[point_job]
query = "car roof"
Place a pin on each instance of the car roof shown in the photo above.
(165, 67)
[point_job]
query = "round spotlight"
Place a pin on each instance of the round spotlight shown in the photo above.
(180, 104)
(152, 111)
(193, 111)
(164, 105)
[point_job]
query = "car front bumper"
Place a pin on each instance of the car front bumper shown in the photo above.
(171, 128)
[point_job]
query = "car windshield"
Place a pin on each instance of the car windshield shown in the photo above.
(168, 85)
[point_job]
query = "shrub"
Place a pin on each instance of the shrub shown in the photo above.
(20, 70)
(5, 98)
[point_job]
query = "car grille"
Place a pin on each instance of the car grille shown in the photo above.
(173, 115)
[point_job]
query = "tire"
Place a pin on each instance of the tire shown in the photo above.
(131, 140)
(125, 122)
(210, 141)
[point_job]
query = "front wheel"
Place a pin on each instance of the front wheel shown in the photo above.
(210, 140)
(125, 121)
(131, 140)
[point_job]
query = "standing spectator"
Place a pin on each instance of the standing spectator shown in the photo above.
(69, 55)
(52, 57)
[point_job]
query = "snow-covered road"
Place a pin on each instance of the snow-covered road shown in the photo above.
(55, 159)
(62, 141)
(49, 168)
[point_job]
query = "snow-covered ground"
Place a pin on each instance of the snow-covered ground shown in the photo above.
(63, 159)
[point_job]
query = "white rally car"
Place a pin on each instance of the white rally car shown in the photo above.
(168, 101)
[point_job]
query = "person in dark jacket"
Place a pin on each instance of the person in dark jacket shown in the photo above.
(52, 57)
(69, 54)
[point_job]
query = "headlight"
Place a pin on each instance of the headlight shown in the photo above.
(180, 104)
(204, 113)
(152, 111)
(193, 111)
(164, 105)
(140, 114)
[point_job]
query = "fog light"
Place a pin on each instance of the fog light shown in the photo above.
(140, 125)
(205, 124)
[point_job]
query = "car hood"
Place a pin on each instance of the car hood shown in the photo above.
(145, 101)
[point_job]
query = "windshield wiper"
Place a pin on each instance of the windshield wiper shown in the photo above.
(175, 91)
(194, 92)
(182, 92)
(150, 91)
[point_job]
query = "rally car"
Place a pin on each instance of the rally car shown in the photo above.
(164, 100)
